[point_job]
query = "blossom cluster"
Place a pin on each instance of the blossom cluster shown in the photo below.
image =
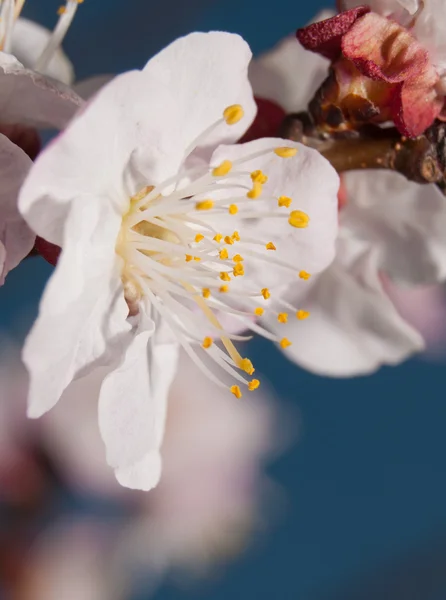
(178, 218)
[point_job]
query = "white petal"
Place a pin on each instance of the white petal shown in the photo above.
(312, 183)
(133, 398)
(288, 74)
(353, 327)
(29, 39)
(206, 72)
(124, 139)
(403, 220)
(82, 317)
(143, 475)
(16, 238)
(32, 99)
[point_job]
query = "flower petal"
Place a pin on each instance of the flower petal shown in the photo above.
(143, 475)
(95, 155)
(353, 327)
(82, 317)
(403, 220)
(132, 403)
(32, 99)
(16, 238)
(206, 72)
(29, 39)
(311, 182)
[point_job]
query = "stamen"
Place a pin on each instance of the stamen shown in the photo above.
(302, 314)
(224, 276)
(199, 237)
(285, 152)
(237, 258)
(256, 190)
(284, 343)
(232, 114)
(238, 270)
(218, 238)
(236, 391)
(206, 292)
(222, 169)
(304, 275)
(284, 201)
(246, 365)
(282, 317)
(298, 219)
(228, 240)
(204, 205)
(259, 311)
(223, 254)
(233, 209)
(259, 177)
(65, 19)
(270, 246)
(265, 293)
(224, 289)
(253, 385)
(207, 342)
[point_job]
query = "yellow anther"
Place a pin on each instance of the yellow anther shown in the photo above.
(235, 236)
(206, 292)
(298, 219)
(238, 258)
(302, 314)
(285, 342)
(265, 293)
(224, 276)
(207, 342)
(238, 270)
(189, 257)
(284, 201)
(197, 258)
(229, 240)
(232, 114)
(204, 205)
(223, 254)
(259, 177)
(270, 246)
(259, 311)
(253, 385)
(282, 317)
(304, 275)
(222, 169)
(218, 238)
(236, 391)
(61, 10)
(285, 152)
(246, 365)
(256, 190)
(199, 237)
(224, 289)
(233, 209)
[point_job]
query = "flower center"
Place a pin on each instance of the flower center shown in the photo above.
(10, 11)
(184, 257)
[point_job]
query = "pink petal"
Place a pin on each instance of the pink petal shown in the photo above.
(325, 37)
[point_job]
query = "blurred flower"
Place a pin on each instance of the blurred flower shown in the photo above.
(212, 495)
(144, 266)
(388, 226)
(381, 70)
(16, 238)
(35, 92)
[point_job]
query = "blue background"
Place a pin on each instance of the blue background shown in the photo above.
(366, 512)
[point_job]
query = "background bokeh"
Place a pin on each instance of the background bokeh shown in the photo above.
(365, 510)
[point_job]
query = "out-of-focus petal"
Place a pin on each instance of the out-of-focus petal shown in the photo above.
(404, 221)
(16, 238)
(353, 327)
(33, 99)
